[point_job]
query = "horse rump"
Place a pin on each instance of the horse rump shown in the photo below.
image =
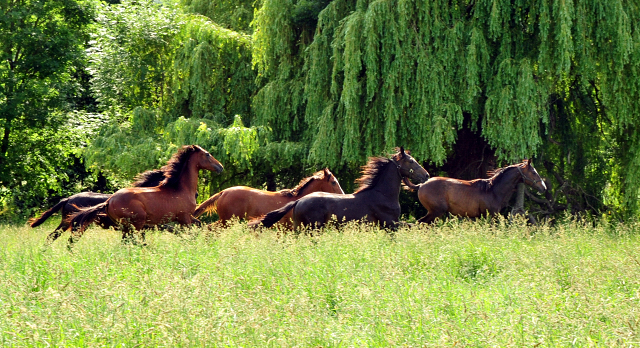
(85, 216)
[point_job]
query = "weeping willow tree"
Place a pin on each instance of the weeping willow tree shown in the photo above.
(231, 14)
(203, 88)
(549, 79)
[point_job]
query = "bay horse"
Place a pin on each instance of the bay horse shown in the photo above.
(250, 203)
(73, 204)
(474, 198)
(172, 200)
(376, 200)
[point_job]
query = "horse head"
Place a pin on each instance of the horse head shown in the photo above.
(409, 167)
(330, 183)
(530, 176)
(208, 162)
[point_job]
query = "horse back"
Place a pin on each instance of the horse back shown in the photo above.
(319, 207)
(83, 200)
(159, 204)
(248, 202)
(459, 197)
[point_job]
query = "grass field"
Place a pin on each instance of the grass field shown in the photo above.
(456, 284)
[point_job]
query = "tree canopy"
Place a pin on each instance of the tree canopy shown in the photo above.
(278, 88)
(41, 79)
(534, 78)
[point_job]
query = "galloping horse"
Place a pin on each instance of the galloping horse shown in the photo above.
(72, 204)
(376, 200)
(172, 200)
(476, 197)
(247, 202)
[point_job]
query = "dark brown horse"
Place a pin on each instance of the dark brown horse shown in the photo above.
(376, 200)
(72, 204)
(172, 200)
(250, 203)
(476, 197)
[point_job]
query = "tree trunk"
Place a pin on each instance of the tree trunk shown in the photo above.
(271, 182)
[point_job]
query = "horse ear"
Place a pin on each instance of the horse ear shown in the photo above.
(327, 173)
(402, 151)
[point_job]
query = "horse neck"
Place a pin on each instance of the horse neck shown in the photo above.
(189, 177)
(505, 184)
(311, 187)
(389, 181)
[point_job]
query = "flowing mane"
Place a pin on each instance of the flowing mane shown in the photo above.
(371, 172)
(496, 177)
(294, 192)
(175, 166)
(150, 178)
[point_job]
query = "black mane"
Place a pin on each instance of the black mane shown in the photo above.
(371, 172)
(175, 166)
(497, 177)
(150, 178)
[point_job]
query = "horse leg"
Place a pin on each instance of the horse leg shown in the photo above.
(429, 218)
(139, 226)
(127, 233)
(57, 232)
(133, 217)
(76, 233)
(196, 221)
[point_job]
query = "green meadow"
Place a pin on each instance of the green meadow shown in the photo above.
(458, 283)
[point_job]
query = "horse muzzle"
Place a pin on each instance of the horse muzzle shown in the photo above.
(422, 177)
(542, 187)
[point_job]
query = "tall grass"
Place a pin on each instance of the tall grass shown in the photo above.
(458, 283)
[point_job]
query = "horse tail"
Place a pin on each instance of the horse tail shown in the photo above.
(208, 206)
(34, 222)
(272, 217)
(410, 185)
(85, 216)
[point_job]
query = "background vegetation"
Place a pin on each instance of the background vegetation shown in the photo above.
(93, 92)
(458, 283)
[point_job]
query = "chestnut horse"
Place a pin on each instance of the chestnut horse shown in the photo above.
(173, 200)
(250, 203)
(73, 204)
(476, 197)
(376, 200)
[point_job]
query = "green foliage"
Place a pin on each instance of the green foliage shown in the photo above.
(277, 88)
(41, 62)
(131, 54)
(240, 143)
(535, 79)
(126, 146)
(199, 76)
(212, 72)
(231, 14)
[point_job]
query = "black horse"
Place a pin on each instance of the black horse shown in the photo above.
(72, 204)
(376, 200)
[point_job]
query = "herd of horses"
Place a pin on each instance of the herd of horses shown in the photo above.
(168, 194)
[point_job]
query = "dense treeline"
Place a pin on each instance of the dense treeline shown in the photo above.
(92, 93)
